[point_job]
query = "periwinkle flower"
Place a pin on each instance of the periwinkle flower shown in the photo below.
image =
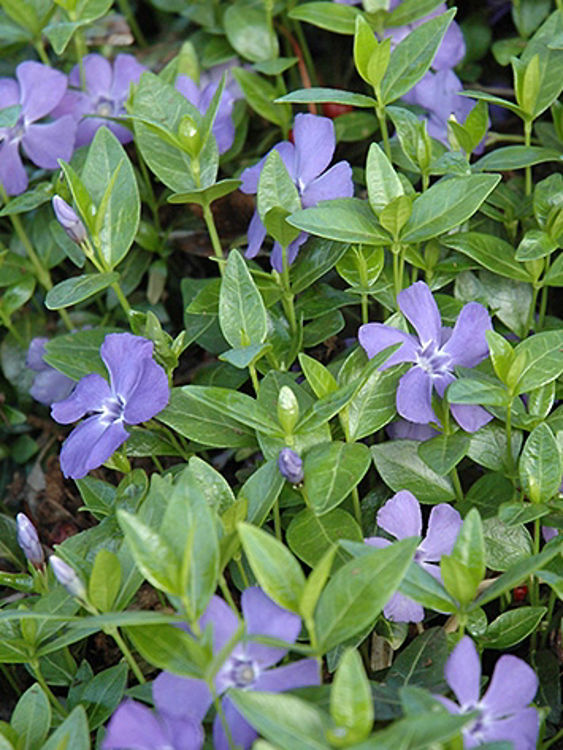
(290, 465)
(69, 220)
(201, 96)
(434, 352)
(27, 537)
(67, 577)
(49, 385)
(247, 667)
(138, 389)
(307, 161)
(504, 713)
(401, 517)
(105, 94)
(549, 533)
(37, 90)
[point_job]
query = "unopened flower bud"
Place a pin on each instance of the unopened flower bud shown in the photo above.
(290, 466)
(188, 135)
(288, 409)
(28, 540)
(69, 220)
(67, 577)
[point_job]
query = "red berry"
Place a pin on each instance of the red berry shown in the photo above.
(332, 109)
(519, 593)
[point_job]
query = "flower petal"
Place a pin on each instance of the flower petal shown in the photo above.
(256, 233)
(463, 672)
(50, 386)
(251, 175)
(12, 173)
(401, 429)
(150, 396)
(419, 307)
(276, 258)
(521, 729)
(41, 89)
(265, 617)
(295, 675)
(185, 734)
(126, 70)
(467, 346)
(181, 696)
(134, 727)
(469, 417)
(377, 541)
(452, 50)
(35, 352)
(223, 619)
(512, 687)
(374, 337)
(414, 396)
(242, 733)
(443, 527)
(336, 182)
(401, 516)
(97, 73)
(124, 355)
(89, 445)
(400, 608)
(224, 131)
(188, 88)
(9, 93)
(314, 146)
(89, 395)
(46, 144)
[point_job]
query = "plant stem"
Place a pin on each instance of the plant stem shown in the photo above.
(277, 521)
(527, 142)
(214, 237)
(40, 49)
(288, 296)
(396, 278)
(530, 321)
(357, 506)
(226, 592)
(47, 690)
(509, 456)
(548, 617)
(254, 378)
(122, 298)
(365, 308)
(380, 112)
(553, 740)
(125, 9)
(129, 658)
(242, 572)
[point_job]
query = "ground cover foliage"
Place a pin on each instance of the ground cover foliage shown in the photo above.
(280, 360)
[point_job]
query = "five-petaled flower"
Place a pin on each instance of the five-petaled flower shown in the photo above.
(401, 517)
(503, 713)
(105, 94)
(138, 390)
(306, 161)
(435, 351)
(38, 90)
(247, 666)
(201, 96)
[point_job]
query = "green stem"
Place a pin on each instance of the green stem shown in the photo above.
(365, 308)
(129, 658)
(80, 49)
(532, 310)
(396, 278)
(457, 484)
(40, 49)
(125, 9)
(277, 521)
(357, 506)
(425, 181)
(508, 428)
(214, 237)
(254, 378)
(527, 142)
(554, 739)
(548, 617)
(122, 298)
(380, 112)
(307, 57)
(288, 296)
(47, 690)
(242, 572)
(226, 592)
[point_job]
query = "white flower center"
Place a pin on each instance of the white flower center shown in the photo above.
(433, 360)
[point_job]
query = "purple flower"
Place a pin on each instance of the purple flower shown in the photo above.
(401, 429)
(135, 727)
(214, 75)
(401, 517)
(105, 94)
(435, 351)
(201, 96)
(67, 577)
(28, 540)
(247, 667)
(38, 90)
(138, 390)
(49, 385)
(306, 161)
(549, 533)
(69, 220)
(504, 713)
(290, 466)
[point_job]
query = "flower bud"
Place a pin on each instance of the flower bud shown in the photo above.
(69, 220)
(288, 409)
(290, 466)
(28, 540)
(189, 137)
(67, 577)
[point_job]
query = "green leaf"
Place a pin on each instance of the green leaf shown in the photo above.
(103, 693)
(318, 376)
(260, 95)
(491, 252)
(351, 703)
(419, 585)
(511, 627)
(310, 536)
(206, 196)
(261, 490)
(550, 61)
(357, 593)
(540, 466)
(506, 545)
(72, 733)
(543, 360)
(320, 257)
(515, 157)
(105, 580)
(477, 391)
(78, 354)
(402, 469)
(249, 31)
(535, 244)
(412, 57)
(212, 484)
(344, 219)
(242, 313)
(446, 205)
(409, 11)
(340, 19)
(171, 648)
(443, 452)
(17, 295)
(469, 548)
(31, 718)
(332, 470)
(78, 288)
(118, 217)
(275, 568)
(320, 95)
(383, 183)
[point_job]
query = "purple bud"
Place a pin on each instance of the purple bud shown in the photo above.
(28, 540)
(67, 577)
(290, 466)
(69, 220)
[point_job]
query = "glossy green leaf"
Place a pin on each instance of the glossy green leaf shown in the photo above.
(78, 288)
(540, 467)
(343, 219)
(332, 470)
(242, 313)
(310, 536)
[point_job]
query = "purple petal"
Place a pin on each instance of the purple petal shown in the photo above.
(401, 429)
(181, 696)
(89, 445)
(126, 70)
(134, 727)
(185, 734)
(443, 527)
(223, 131)
(434, 570)
(419, 307)
(242, 733)
(289, 677)
(46, 144)
(374, 337)
(97, 73)
(276, 258)
(469, 417)
(336, 182)
(265, 617)
(256, 235)
(124, 355)
(35, 352)
(463, 672)
(401, 516)
(548, 532)
(512, 687)
(89, 395)
(188, 88)
(50, 386)
(377, 542)
(452, 50)
(521, 729)
(150, 395)
(467, 346)
(314, 146)
(400, 608)
(12, 173)
(41, 89)
(251, 175)
(224, 621)
(414, 396)
(75, 103)
(9, 92)
(441, 381)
